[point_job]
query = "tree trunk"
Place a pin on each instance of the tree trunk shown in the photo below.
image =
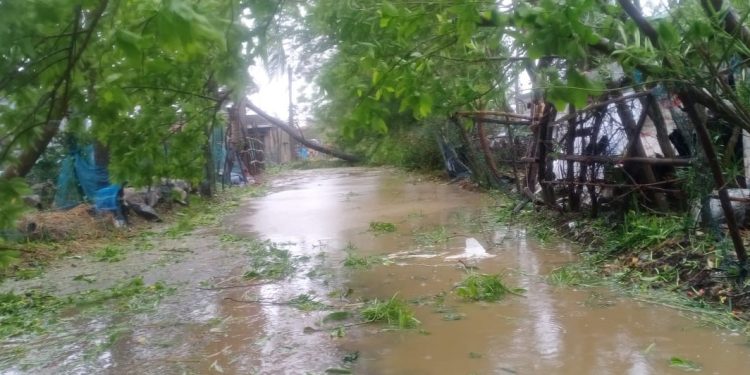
(488, 157)
(635, 148)
(59, 96)
(598, 119)
(296, 136)
(545, 163)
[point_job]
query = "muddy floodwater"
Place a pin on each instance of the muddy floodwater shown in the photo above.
(216, 322)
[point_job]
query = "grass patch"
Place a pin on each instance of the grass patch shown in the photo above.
(132, 295)
(379, 227)
(356, 261)
(703, 311)
(110, 253)
(268, 261)
(209, 211)
(542, 232)
(483, 287)
(362, 261)
(29, 273)
(34, 311)
(433, 237)
(394, 312)
(27, 313)
(231, 238)
(573, 275)
(640, 231)
(183, 226)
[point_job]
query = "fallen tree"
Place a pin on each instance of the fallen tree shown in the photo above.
(294, 133)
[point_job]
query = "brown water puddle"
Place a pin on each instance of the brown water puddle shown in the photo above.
(316, 214)
(550, 330)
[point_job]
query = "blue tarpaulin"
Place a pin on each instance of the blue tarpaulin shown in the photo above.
(81, 180)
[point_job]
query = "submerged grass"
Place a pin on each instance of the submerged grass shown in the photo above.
(433, 237)
(484, 287)
(269, 261)
(380, 227)
(306, 302)
(701, 310)
(684, 364)
(573, 275)
(362, 261)
(394, 312)
(356, 261)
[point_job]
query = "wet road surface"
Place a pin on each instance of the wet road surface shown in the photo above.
(319, 215)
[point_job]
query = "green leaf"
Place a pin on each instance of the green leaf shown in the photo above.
(379, 125)
(384, 21)
(425, 105)
(46, 11)
(592, 38)
(128, 42)
(668, 34)
(578, 89)
(389, 9)
(8, 257)
(684, 364)
(375, 77)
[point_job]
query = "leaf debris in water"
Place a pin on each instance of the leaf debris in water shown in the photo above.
(684, 364)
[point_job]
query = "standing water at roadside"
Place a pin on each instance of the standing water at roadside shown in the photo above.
(441, 234)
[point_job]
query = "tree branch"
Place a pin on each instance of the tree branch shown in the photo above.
(178, 91)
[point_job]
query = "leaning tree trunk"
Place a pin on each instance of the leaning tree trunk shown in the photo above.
(294, 133)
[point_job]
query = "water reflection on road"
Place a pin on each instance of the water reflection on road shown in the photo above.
(550, 330)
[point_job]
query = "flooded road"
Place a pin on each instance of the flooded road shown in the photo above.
(550, 330)
(324, 217)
